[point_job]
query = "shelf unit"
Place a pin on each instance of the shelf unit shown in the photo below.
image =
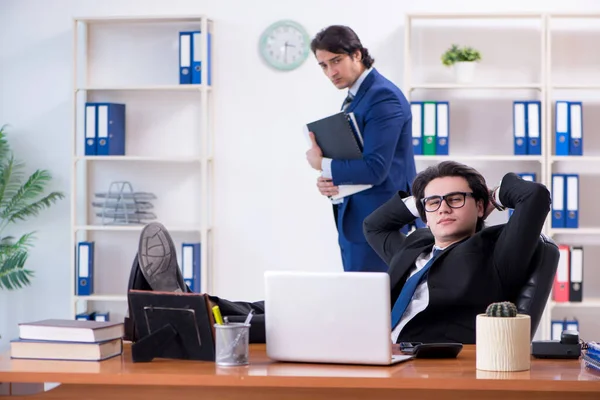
(135, 60)
(543, 86)
(584, 235)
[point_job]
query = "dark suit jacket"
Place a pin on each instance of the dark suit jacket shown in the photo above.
(383, 116)
(490, 266)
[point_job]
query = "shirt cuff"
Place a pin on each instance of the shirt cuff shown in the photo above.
(497, 194)
(326, 168)
(411, 204)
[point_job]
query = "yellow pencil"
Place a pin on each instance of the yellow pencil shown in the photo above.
(217, 314)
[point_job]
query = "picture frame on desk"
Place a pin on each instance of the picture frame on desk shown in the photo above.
(172, 325)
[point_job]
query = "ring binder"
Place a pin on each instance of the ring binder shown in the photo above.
(338, 136)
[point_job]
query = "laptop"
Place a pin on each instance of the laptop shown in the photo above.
(329, 317)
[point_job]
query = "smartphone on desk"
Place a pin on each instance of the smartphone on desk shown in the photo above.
(431, 350)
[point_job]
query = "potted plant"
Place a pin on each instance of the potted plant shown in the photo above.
(21, 197)
(502, 339)
(463, 60)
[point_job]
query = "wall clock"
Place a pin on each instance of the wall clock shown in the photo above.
(284, 45)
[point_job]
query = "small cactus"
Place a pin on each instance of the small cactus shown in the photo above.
(502, 309)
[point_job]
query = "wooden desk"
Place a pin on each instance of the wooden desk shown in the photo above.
(264, 379)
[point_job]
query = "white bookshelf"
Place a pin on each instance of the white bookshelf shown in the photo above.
(541, 86)
(169, 139)
(588, 165)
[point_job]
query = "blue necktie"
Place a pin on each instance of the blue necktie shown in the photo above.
(347, 101)
(409, 290)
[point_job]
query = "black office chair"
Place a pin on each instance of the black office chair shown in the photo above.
(533, 297)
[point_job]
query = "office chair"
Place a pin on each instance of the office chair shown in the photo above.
(533, 297)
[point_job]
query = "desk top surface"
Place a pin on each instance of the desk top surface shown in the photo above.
(459, 373)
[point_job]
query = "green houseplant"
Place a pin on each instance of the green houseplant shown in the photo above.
(21, 197)
(502, 338)
(463, 60)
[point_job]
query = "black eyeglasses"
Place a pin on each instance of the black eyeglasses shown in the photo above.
(454, 200)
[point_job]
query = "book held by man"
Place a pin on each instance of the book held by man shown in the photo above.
(339, 138)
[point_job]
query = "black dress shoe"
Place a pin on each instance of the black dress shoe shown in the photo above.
(158, 259)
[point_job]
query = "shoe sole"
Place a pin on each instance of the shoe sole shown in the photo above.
(158, 259)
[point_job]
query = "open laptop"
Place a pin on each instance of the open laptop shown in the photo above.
(329, 317)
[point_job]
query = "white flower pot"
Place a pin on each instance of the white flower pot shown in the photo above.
(464, 71)
(503, 343)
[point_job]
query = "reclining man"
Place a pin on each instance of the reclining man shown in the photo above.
(432, 301)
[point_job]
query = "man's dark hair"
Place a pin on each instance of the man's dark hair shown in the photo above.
(340, 39)
(475, 180)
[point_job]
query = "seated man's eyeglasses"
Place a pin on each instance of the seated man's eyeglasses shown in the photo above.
(454, 200)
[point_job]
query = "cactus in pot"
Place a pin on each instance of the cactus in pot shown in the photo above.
(502, 309)
(503, 338)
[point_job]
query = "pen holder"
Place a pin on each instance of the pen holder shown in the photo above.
(503, 343)
(231, 344)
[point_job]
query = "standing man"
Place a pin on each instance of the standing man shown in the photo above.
(384, 119)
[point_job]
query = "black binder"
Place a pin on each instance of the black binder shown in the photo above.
(576, 274)
(172, 325)
(338, 136)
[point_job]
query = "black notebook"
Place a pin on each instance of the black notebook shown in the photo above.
(338, 136)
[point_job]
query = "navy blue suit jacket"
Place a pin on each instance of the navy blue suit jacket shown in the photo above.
(384, 118)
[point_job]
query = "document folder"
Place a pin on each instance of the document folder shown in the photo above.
(576, 125)
(339, 138)
(336, 137)
(416, 108)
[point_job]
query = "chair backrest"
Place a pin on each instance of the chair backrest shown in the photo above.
(533, 297)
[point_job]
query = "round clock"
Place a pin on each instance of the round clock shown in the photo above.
(284, 45)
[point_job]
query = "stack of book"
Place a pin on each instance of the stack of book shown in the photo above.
(57, 339)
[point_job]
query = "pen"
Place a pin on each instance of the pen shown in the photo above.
(249, 317)
(217, 314)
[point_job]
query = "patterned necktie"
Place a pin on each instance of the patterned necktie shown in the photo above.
(347, 101)
(409, 290)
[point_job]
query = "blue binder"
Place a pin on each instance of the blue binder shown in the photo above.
(576, 128)
(572, 201)
(558, 200)
(185, 57)
(534, 128)
(91, 127)
(190, 266)
(85, 316)
(110, 119)
(443, 128)
(520, 127)
(85, 268)
(562, 124)
(102, 316)
(416, 108)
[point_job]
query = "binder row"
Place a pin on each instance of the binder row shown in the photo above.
(565, 200)
(528, 176)
(569, 128)
(527, 130)
(568, 281)
(565, 325)
(430, 127)
(104, 129)
(93, 316)
(190, 267)
(190, 58)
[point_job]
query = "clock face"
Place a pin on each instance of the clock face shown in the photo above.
(284, 45)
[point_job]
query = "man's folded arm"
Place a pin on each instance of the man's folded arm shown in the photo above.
(517, 242)
(382, 227)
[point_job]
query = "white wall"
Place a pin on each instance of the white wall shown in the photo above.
(269, 214)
